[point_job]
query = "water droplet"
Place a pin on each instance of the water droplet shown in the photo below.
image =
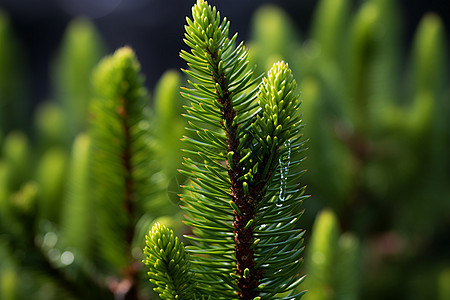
(284, 162)
(67, 258)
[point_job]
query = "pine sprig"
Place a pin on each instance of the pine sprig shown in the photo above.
(244, 198)
(221, 74)
(169, 264)
(278, 253)
(121, 156)
(220, 107)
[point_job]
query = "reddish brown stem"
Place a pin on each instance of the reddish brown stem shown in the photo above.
(246, 203)
(130, 273)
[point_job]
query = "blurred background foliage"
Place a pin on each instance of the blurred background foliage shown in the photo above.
(376, 114)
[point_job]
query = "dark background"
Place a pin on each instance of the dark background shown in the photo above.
(153, 28)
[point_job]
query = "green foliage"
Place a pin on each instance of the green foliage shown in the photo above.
(376, 120)
(49, 126)
(333, 261)
(244, 199)
(322, 257)
(79, 190)
(8, 284)
(325, 147)
(168, 129)
(443, 288)
(81, 50)
(428, 55)
(348, 267)
(275, 38)
(168, 106)
(328, 29)
(78, 211)
(121, 153)
(17, 154)
(50, 176)
(77, 218)
(169, 264)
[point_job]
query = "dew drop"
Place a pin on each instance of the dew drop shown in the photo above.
(67, 258)
(284, 162)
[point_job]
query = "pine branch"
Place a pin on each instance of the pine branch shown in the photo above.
(245, 148)
(121, 155)
(223, 73)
